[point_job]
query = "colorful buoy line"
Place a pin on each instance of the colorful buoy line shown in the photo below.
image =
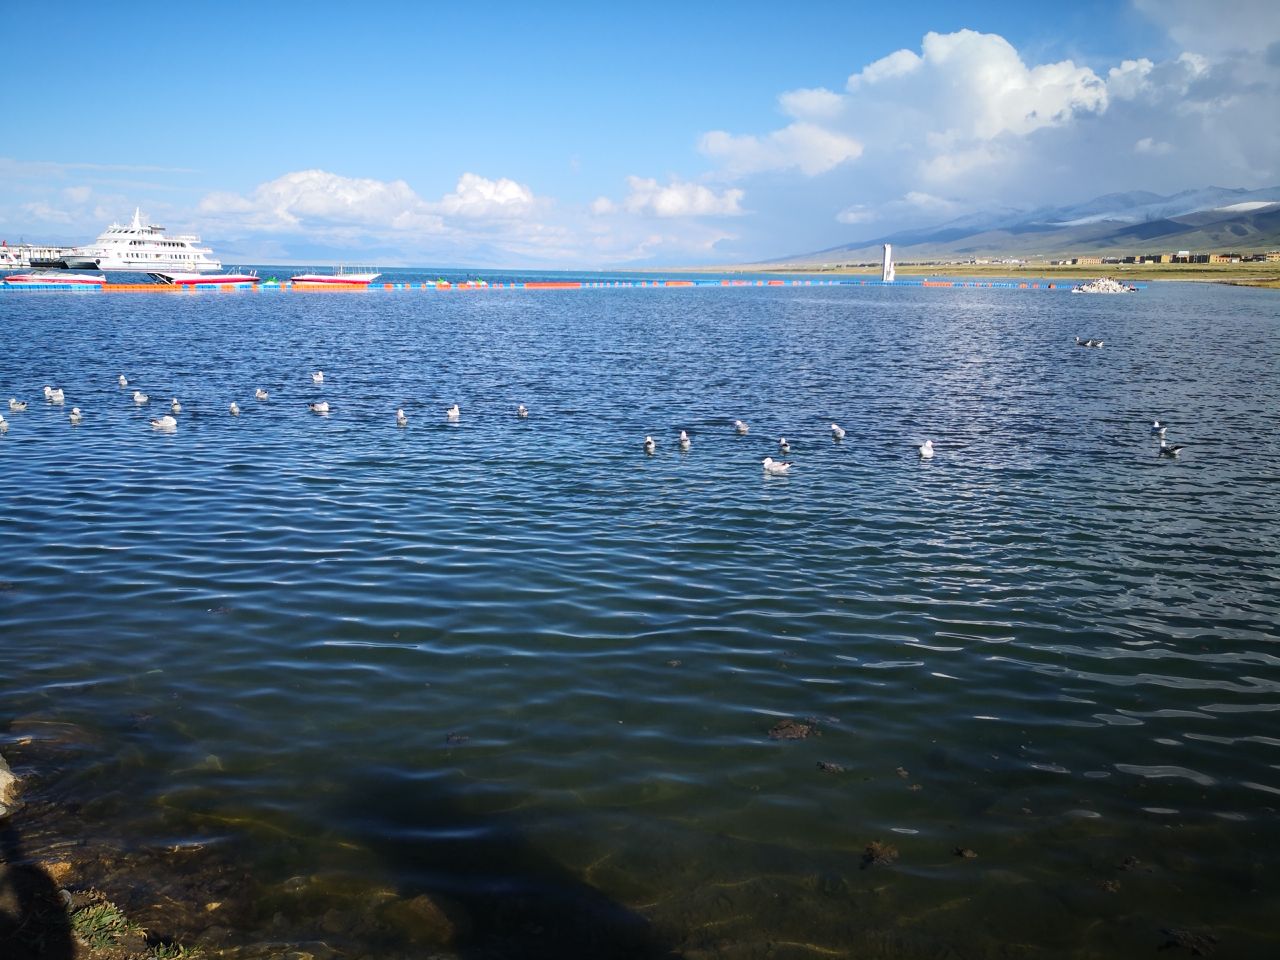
(285, 286)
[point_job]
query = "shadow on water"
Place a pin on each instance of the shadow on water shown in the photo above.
(33, 917)
(504, 898)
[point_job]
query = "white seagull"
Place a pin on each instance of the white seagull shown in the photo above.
(926, 450)
(401, 419)
(453, 412)
(1169, 449)
(260, 394)
(739, 427)
(685, 443)
(320, 407)
(1158, 428)
(837, 432)
(56, 395)
(522, 411)
(649, 445)
(234, 408)
(123, 381)
(164, 423)
(76, 416)
(783, 445)
(318, 377)
(176, 407)
(4, 425)
(139, 397)
(775, 467)
(15, 406)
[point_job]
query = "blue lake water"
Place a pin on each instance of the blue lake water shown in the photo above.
(526, 670)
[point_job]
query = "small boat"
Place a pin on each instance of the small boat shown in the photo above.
(192, 279)
(341, 276)
(54, 277)
(1104, 285)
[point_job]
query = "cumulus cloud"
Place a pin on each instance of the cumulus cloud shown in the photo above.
(318, 198)
(478, 197)
(807, 147)
(941, 110)
(675, 199)
(809, 104)
(968, 117)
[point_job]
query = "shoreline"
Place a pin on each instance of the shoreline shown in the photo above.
(1240, 274)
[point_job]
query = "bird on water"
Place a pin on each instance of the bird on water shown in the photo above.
(775, 467)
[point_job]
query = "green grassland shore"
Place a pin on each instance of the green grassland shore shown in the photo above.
(1240, 274)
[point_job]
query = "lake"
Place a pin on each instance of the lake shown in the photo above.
(502, 687)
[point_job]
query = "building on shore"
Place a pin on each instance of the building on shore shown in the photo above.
(19, 256)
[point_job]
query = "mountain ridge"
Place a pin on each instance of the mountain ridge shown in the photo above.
(1203, 220)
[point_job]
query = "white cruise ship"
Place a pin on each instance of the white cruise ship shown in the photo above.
(141, 247)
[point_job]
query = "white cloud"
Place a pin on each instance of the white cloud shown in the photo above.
(897, 64)
(817, 103)
(980, 86)
(807, 147)
(945, 111)
(478, 197)
(1130, 79)
(1151, 146)
(676, 199)
(856, 213)
(1245, 26)
(317, 199)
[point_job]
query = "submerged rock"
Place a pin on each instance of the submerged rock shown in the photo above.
(879, 854)
(791, 730)
(1200, 944)
(8, 787)
(425, 920)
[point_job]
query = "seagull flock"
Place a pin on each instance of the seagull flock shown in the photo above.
(168, 422)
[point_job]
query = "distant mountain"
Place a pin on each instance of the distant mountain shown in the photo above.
(1209, 220)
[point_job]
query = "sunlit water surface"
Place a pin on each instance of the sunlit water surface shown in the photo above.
(505, 658)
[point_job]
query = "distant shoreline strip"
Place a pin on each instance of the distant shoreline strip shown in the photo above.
(514, 285)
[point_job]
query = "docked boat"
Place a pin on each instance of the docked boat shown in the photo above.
(49, 278)
(142, 247)
(201, 279)
(1104, 285)
(342, 276)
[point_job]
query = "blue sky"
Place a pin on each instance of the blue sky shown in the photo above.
(598, 135)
